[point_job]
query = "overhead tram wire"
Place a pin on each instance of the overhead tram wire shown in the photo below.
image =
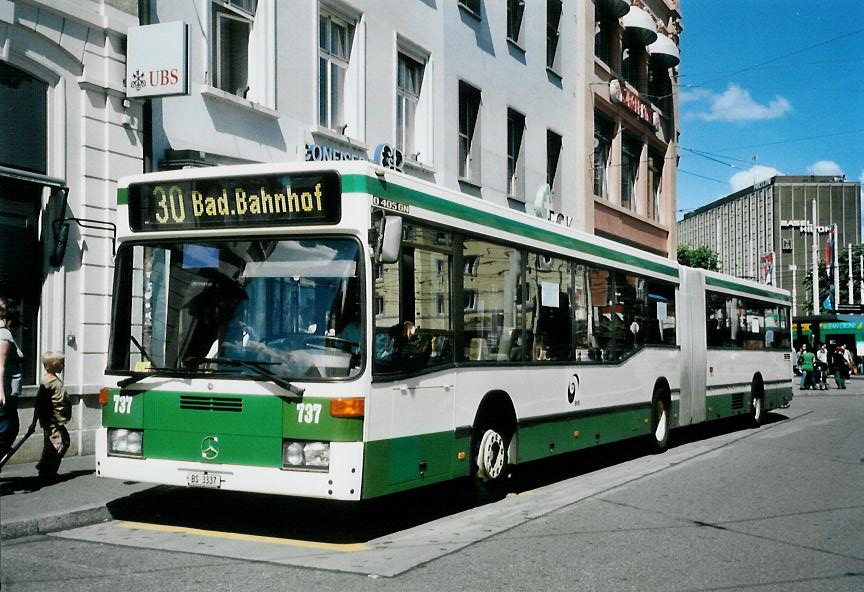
(783, 56)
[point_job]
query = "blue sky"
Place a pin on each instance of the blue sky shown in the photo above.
(768, 87)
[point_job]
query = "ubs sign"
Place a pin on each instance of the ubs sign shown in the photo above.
(157, 60)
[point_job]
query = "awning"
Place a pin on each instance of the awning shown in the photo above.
(640, 23)
(613, 8)
(665, 52)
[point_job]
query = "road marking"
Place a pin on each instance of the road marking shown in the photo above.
(345, 548)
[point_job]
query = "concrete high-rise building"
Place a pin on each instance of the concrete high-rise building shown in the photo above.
(765, 232)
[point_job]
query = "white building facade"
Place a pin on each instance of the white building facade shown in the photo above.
(66, 136)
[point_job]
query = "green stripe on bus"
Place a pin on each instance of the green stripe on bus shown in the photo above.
(365, 184)
(720, 283)
(249, 428)
(122, 196)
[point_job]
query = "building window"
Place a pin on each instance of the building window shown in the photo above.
(631, 149)
(553, 157)
(515, 8)
(633, 61)
(470, 300)
(655, 173)
(409, 81)
(440, 304)
(605, 36)
(379, 272)
(472, 263)
(553, 22)
(515, 160)
(231, 32)
(379, 306)
(469, 133)
(660, 88)
(335, 39)
(603, 134)
(472, 6)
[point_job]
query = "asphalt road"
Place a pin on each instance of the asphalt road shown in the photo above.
(726, 508)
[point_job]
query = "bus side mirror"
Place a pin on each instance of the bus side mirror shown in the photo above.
(390, 239)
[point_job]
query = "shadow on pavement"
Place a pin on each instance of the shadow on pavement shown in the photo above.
(29, 484)
(358, 522)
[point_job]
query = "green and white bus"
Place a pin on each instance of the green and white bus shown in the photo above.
(344, 331)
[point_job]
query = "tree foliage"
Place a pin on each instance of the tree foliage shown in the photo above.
(702, 257)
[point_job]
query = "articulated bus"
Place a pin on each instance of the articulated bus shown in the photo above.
(344, 331)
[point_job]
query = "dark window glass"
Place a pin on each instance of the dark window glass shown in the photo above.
(23, 113)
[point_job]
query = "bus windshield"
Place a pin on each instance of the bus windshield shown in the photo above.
(291, 307)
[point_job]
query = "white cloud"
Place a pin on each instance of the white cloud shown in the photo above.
(752, 176)
(694, 95)
(825, 167)
(735, 104)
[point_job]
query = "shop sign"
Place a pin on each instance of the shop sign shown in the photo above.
(157, 60)
(621, 94)
(384, 155)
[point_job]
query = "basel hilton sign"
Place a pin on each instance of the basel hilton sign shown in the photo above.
(804, 226)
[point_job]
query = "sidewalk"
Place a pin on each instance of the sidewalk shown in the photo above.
(77, 498)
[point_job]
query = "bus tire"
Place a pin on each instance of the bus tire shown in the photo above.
(659, 421)
(757, 404)
(491, 461)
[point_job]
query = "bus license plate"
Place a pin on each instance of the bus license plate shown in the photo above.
(208, 480)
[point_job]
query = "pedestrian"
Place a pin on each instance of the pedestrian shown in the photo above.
(808, 360)
(822, 367)
(850, 359)
(53, 409)
(11, 363)
(841, 367)
(801, 375)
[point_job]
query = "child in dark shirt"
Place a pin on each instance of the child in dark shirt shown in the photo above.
(53, 410)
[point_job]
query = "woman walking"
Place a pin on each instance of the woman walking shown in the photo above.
(841, 367)
(11, 359)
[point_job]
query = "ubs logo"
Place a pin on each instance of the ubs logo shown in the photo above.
(210, 447)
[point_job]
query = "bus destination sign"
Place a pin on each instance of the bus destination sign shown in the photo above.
(252, 201)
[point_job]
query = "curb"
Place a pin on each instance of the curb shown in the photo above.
(49, 523)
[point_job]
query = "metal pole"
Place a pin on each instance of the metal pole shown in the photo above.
(835, 266)
(815, 264)
(793, 269)
(851, 281)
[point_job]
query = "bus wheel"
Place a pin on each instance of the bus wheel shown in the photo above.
(659, 422)
(492, 463)
(757, 407)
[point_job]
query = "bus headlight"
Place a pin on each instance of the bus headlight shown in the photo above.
(125, 442)
(313, 456)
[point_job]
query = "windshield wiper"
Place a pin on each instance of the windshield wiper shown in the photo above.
(154, 371)
(256, 367)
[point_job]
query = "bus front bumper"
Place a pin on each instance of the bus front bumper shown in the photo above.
(342, 480)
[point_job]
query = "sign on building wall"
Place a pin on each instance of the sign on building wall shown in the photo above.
(621, 94)
(157, 60)
(766, 263)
